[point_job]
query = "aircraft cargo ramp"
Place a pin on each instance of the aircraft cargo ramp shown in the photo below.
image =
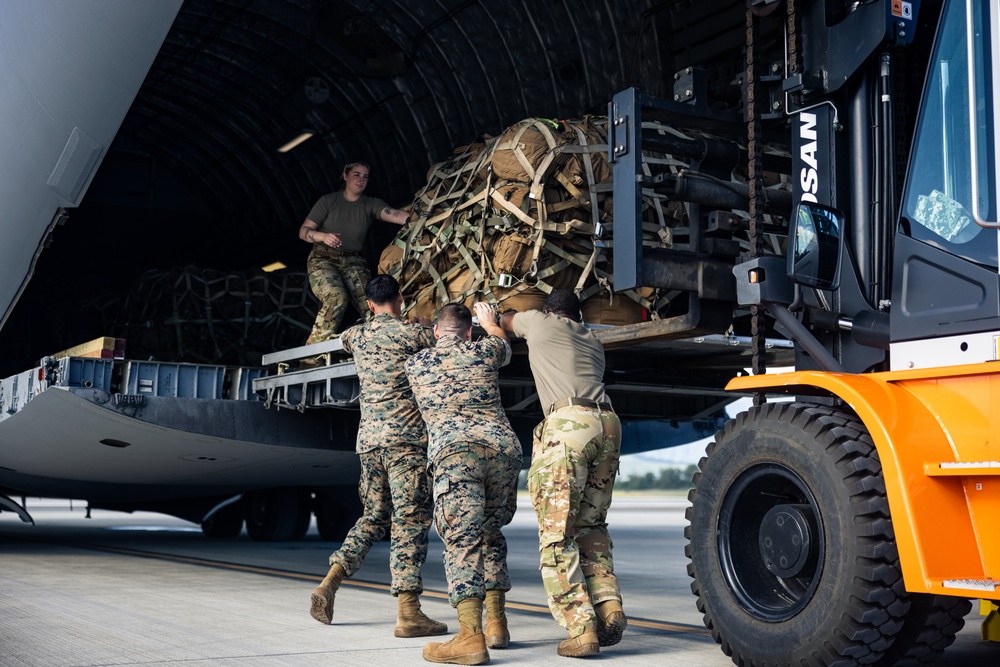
(114, 431)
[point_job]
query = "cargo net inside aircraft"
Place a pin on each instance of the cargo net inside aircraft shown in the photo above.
(207, 316)
(508, 219)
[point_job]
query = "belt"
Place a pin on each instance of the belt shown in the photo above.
(327, 251)
(582, 402)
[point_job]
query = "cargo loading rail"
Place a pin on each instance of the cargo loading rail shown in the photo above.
(128, 381)
(330, 384)
(330, 378)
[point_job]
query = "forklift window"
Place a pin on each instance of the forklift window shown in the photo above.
(939, 193)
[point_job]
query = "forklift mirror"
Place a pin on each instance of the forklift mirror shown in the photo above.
(814, 247)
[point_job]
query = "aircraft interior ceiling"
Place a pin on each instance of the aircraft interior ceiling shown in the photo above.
(194, 176)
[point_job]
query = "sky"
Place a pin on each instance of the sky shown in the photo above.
(679, 456)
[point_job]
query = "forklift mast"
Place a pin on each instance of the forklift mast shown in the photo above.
(829, 102)
(847, 179)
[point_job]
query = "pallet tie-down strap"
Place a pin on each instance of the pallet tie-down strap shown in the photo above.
(591, 263)
(482, 225)
(538, 284)
(514, 145)
(458, 206)
(577, 259)
(652, 306)
(470, 262)
(537, 184)
(438, 283)
(426, 261)
(456, 177)
(506, 205)
(588, 167)
(656, 198)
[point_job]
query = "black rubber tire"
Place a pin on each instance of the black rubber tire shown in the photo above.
(336, 513)
(271, 514)
(303, 516)
(928, 629)
(225, 524)
(796, 488)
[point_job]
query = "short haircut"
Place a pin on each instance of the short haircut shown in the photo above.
(454, 318)
(352, 165)
(382, 289)
(563, 302)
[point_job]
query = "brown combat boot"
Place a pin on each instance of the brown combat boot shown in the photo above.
(468, 647)
(496, 632)
(582, 645)
(411, 622)
(611, 622)
(321, 601)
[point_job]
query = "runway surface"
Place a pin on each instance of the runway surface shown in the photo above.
(146, 589)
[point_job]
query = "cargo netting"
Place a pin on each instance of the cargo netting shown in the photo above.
(206, 316)
(508, 219)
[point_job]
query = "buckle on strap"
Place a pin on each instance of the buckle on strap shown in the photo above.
(582, 402)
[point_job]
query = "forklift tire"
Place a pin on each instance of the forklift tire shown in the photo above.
(271, 514)
(928, 629)
(792, 553)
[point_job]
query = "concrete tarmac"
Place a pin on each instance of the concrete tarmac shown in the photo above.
(146, 589)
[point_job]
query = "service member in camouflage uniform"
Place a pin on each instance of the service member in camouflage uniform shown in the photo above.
(475, 459)
(575, 453)
(392, 443)
(336, 227)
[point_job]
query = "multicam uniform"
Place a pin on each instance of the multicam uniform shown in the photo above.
(474, 457)
(392, 443)
(339, 275)
(575, 454)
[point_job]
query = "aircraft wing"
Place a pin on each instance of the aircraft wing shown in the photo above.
(69, 71)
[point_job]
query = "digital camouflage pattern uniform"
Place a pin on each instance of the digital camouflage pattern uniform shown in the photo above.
(392, 442)
(575, 454)
(337, 276)
(474, 458)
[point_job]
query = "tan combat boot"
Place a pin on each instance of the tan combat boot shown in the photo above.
(582, 645)
(611, 622)
(496, 632)
(411, 622)
(468, 647)
(321, 601)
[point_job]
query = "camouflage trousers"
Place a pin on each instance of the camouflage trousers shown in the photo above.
(575, 456)
(475, 495)
(336, 281)
(396, 492)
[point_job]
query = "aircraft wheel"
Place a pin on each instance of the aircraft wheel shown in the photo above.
(303, 516)
(271, 514)
(226, 523)
(336, 514)
(792, 553)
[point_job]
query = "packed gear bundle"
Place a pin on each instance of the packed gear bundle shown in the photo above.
(508, 219)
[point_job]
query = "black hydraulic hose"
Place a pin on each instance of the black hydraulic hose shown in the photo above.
(702, 189)
(717, 152)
